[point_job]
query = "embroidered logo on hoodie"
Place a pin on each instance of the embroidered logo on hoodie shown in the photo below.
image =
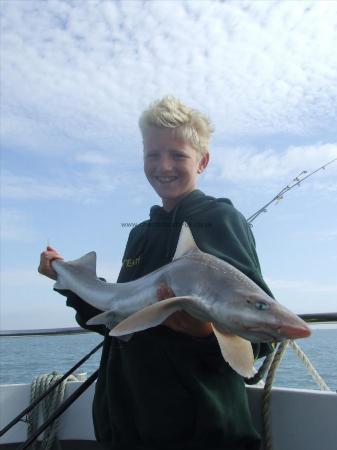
(131, 262)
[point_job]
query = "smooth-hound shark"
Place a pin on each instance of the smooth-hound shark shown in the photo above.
(206, 287)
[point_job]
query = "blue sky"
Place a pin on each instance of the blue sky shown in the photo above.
(75, 78)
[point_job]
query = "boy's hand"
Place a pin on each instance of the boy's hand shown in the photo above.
(180, 320)
(45, 267)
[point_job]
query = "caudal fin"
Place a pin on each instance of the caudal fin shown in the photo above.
(86, 265)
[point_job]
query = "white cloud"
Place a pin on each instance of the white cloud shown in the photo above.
(81, 187)
(93, 157)
(23, 277)
(258, 166)
(302, 286)
(16, 226)
(326, 187)
(326, 235)
(83, 73)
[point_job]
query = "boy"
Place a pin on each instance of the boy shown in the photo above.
(169, 387)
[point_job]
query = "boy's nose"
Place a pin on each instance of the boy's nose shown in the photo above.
(165, 164)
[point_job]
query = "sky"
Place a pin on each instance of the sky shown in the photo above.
(77, 75)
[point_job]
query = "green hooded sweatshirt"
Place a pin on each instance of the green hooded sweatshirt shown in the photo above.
(164, 389)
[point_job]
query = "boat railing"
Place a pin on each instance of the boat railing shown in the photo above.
(43, 332)
(65, 405)
(313, 318)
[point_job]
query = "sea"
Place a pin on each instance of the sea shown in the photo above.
(22, 358)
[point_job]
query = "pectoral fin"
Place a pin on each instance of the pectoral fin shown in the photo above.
(150, 316)
(107, 318)
(237, 352)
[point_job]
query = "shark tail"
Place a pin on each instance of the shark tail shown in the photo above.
(85, 264)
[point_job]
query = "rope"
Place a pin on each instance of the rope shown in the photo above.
(46, 407)
(311, 369)
(266, 395)
(263, 369)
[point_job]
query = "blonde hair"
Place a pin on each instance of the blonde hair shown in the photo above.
(188, 124)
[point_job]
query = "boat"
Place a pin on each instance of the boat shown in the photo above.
(300, 419)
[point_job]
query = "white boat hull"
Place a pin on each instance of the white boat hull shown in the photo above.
(301, 419)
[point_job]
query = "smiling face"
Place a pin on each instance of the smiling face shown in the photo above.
(171, 165)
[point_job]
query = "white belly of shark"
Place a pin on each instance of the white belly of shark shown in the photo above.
(205, 286)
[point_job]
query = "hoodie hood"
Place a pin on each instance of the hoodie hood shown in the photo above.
(194, 203)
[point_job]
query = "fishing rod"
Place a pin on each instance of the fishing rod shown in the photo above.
(295, 182)
(309, 318)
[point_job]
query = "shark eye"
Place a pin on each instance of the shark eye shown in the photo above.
(261, 306)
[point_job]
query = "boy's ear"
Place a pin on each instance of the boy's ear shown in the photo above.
(203, 162)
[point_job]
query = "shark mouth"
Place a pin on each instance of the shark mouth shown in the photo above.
(280, 333)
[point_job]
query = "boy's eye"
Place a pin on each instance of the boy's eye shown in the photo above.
(179, 155)
(173, 155)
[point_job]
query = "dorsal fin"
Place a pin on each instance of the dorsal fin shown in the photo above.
(186, 241)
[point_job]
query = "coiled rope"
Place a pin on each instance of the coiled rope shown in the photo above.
(266, 395)
(46, 407)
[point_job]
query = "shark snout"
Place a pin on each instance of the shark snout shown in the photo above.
(278, 327)
(279, 332)
(294, 331)
(290, 326)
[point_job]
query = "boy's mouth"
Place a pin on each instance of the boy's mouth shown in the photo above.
(166, 180)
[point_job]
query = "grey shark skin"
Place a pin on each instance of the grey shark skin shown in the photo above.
(205, 286)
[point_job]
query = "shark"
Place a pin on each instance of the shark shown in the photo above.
(206, 287)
